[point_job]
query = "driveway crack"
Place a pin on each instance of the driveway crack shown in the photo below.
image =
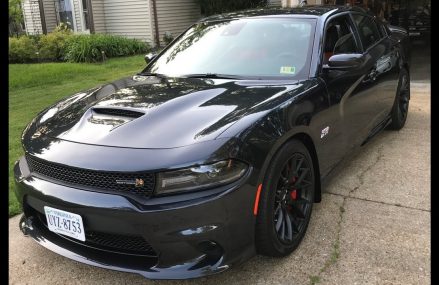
(361, 175)
(335, 249)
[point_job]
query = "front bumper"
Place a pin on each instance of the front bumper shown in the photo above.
(191, 235)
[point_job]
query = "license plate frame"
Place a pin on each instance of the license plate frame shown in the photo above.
(65, 223)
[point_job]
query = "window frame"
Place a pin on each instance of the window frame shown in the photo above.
(353, 28)
(358, 31)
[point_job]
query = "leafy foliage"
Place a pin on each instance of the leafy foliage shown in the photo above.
(168, 38)
(15, 17)
(63, 45)
(211, 7)
(22, 49)
(52, 46)
(92, 48)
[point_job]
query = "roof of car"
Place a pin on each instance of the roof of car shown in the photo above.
(308, 10)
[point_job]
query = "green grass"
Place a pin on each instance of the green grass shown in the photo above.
(33, 87)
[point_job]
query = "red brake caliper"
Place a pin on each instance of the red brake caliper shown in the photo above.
(293, 193)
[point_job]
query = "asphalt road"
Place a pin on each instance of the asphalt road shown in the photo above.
(372, 226)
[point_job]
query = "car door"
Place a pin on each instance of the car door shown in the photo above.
(380, 83)
(349, 90)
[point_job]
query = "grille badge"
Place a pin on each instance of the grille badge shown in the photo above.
(138, 182)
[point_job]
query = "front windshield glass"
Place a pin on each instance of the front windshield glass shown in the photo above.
(256, 47)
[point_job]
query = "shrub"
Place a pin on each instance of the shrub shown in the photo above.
(62, 27)
(168, 38)
(63, 45)
(89, 48)
(210, 7)
(22, 49)
(52, 46)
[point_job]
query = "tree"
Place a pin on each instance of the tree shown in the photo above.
(15, 17)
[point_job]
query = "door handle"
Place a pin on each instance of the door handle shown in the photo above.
(371, 77)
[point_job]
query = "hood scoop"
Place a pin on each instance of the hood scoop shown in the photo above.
(115, 112)
(97, 123)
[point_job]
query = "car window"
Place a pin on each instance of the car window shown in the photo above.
(368, 30)
(381, 29)
(339, 38)
(270, 47)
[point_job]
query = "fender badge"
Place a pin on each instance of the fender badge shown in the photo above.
(325, 131)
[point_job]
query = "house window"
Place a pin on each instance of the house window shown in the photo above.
(85, 14)
(65, 12)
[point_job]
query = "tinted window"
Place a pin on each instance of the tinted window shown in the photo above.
(382, 29)
(368, 30)
(339, 38)
(245, 47)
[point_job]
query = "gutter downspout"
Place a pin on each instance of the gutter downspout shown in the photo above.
(156, 25)
(42, 17)
(90, 17)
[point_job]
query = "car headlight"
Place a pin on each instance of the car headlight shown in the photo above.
(200, 177)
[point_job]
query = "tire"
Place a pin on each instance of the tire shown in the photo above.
(277, 196)
(401, 105)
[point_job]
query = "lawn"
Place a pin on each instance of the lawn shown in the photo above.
(33, 87)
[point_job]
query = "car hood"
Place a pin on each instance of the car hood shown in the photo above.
(148, 112)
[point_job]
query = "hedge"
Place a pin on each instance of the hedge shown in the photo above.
(63, 45)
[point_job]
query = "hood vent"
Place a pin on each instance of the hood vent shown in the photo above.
(118, 112)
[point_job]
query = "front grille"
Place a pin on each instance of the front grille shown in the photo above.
(132, 244)
(118, 112)
(122, 182)
(126, 243)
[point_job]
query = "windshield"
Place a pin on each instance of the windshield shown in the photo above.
(257, 47)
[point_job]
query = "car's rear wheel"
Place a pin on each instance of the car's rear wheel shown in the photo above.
(401, 104)
(286, 201)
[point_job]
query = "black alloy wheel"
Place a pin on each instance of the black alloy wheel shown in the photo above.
(286, 201)
(293, 198)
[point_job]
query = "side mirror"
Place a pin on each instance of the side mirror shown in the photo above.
(344, 61)
(149, 57)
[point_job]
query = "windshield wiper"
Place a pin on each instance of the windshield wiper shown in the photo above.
(162, 77)
(212, 75)
(159, 75)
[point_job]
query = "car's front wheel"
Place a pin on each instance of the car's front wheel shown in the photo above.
(286, 201)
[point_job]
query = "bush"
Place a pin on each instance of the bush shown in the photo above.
(210, 7)
(89, 48)
(52, 46)
(22, 49)
(63, 45)
(168, 38)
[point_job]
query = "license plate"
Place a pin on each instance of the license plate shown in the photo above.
(414, 34)
(65, 223)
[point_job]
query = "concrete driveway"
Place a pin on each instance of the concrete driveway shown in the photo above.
(372, 227)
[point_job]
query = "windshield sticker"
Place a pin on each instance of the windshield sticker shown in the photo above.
(287, 70)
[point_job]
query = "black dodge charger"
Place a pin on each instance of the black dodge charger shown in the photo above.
(218, 149)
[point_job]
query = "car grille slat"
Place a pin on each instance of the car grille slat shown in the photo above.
(120, 182)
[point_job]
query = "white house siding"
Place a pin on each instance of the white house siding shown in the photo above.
(176, 16)
(50, 14)
(78, 15)
(129, 18)
(31, 15)
(98, 15)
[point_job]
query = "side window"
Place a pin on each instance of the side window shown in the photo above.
(368, 30)
(339, 38)
(382, 29)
